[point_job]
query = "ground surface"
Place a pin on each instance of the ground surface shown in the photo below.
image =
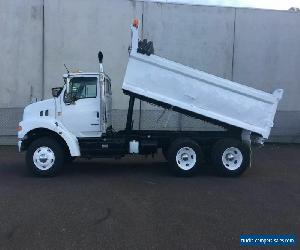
(137, 204)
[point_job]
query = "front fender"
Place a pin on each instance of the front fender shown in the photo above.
(53, 125)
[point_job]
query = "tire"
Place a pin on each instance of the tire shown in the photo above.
(44, 157)
(184, 157)
(231, 157)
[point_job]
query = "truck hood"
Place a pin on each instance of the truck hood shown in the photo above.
(40, 109)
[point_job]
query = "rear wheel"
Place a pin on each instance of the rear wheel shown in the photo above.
(44, 157)
(184, 157)
(231, 157)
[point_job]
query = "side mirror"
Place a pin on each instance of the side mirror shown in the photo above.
(69, 98)
(56, 91)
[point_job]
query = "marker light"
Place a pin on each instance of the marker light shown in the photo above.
(135, 23)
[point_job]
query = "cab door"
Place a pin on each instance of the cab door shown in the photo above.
(82, 115)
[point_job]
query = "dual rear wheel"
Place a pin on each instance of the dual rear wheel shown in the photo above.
(230, 157)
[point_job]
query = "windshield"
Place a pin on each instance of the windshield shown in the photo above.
(83, 87)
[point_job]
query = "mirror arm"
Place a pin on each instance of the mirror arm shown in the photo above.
(68, 85)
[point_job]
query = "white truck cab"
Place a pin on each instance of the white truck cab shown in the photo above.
(79, 109)
(77, 121)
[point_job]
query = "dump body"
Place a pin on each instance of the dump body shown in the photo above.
(196, 91)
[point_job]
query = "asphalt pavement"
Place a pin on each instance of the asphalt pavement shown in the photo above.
(135, 203)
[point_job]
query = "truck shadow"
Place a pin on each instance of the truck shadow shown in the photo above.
(126, 166)
(13, 164)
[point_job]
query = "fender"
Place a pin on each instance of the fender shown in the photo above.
(53, 125)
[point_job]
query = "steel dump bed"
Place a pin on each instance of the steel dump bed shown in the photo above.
(193, 90)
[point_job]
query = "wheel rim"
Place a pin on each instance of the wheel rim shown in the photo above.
(186, 158)
(232, 158)
(43, 158)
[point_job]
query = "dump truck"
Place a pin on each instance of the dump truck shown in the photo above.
(77, 121)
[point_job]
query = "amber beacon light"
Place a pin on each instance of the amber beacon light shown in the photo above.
(135, 23)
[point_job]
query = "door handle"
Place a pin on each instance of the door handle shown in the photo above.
(97, 113)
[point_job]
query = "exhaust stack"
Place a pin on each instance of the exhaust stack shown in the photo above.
(100, 58)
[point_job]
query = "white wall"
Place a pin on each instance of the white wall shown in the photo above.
(76, 30)
(21, 51)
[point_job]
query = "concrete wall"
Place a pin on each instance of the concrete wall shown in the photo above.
(21, 60)
(76, 30)
(198, 36)
(259, 48)
(267, 56)
(21, 51)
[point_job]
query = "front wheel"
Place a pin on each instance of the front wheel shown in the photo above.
(231, 157)
(184, 157)
(44, 157)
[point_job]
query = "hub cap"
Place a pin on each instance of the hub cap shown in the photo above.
(232, 158)
(186, 158)
(43, 158)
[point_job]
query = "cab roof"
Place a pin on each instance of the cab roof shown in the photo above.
(81, 74)
(74, 74)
